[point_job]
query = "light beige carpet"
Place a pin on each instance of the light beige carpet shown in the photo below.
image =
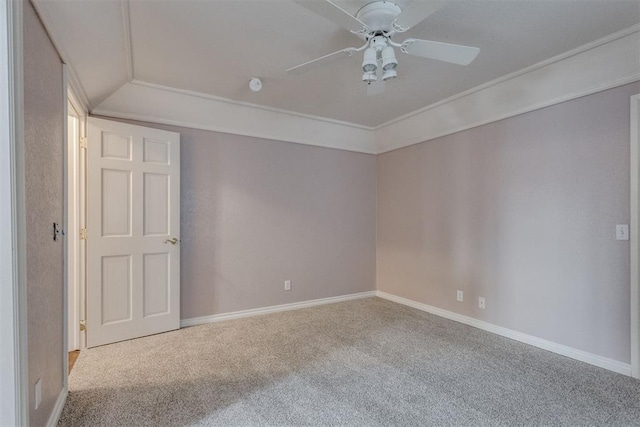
(364, 362)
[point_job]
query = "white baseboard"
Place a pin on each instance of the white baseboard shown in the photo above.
(583, 356)
(272, 309)
(57, 409)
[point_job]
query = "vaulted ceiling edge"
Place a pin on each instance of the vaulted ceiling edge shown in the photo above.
(596, 67)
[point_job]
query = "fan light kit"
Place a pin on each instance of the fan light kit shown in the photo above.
(376, 23)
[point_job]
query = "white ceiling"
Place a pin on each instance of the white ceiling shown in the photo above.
(214, 47)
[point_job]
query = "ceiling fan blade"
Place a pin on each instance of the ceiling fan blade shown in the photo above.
(377, 87)
(454, 53)
(333, 13)
(308, 66)
(416, 12)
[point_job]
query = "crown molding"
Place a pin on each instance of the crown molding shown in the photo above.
(604, 40)
(603, 64)
(78, 90)
(247, 104)
(150, 102)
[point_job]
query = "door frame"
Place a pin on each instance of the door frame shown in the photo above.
(13, 299)
(634, 235)
(75, 205)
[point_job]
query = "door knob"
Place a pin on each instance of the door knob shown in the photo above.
(173, 241)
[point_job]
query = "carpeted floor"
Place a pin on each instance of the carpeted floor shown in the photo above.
(364, 362)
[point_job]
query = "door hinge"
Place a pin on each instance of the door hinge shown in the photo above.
(83, 233)
(83, 325)
(83, 142)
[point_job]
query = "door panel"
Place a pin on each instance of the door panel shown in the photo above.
(133, 286)
(116, 146)
(115, 284)
(156, 202)
(116, 203)
(156, 284)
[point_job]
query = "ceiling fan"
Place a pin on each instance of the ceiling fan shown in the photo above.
(376, 23)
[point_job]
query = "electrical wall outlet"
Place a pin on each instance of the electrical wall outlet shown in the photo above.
(481, 303)
(287, 285)
(38, 392)
(460, 296)
(622, 231)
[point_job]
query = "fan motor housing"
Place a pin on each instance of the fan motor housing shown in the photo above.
(379, 15)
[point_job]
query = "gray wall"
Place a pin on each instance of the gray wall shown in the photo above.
(43, 120)
(256, 212)
(522, 212)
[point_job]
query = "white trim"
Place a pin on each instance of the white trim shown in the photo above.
(72, 228)
(600, 65)
(73, 223)
(384, 148)
(249, 104)
(13, 307)
(604, 40)
(158, 104)
(57, 409)
(80, 220)
(81, 98)
(635, 235)
(20, 239)
(273, 309)
(78, 106)
(609, 62)
(583, 356)
(9, 379)
(82, 223)
(65, 226)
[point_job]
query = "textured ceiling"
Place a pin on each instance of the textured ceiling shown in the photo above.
(214, 47)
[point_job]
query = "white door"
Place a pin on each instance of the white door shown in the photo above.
(133, 229)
